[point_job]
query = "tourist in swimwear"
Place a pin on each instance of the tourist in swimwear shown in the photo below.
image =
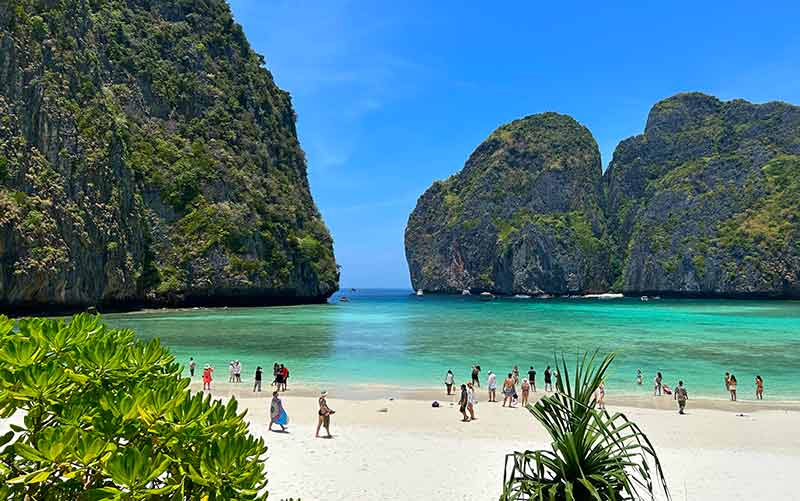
(727, 381)
(231, 376)
(471, 400)
(732, 387)
(448, 382)
(325, 414)
(275, 371)
(515, 372)
(508, 390)
(257, 380)
(526, 388)
(476, 372)
(192, 365)
(548, 382)
(277, 415)
(759, 388)
(284, 376)
(462, 403)
(657, 384)
(532, 378)
(492, 384)
(237, 372)
(558, 379)
(639, 376)
(601, 396)
(207, 377)
(681, 395)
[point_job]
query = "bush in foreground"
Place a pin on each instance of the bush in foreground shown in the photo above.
(107, 416)
(595, 455)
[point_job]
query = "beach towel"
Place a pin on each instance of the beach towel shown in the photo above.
(278, 414)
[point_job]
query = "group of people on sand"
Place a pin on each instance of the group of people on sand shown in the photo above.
(467, 395)
(280, 375)
(731, 383)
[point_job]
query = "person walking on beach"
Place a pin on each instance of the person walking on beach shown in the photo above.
(277, 415)
(492, 384)
(509, 391)
(275, 372)
(601, 396)
(526, 389)
(759, 388)
(192, 365)
(462, 403)
(681, 395)
(548, 381)
(515, 372)
(532, 378)
(237, 372)
(657, 384)
(325, 414)
(732, 387)
(448, 382)
(257, 383)
(476, 376)
(472, 401)
(207, 377)
(639, 377)
(728, 381)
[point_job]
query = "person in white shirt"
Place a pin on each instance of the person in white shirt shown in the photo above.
(448, 382)
(492, 384)
(471, 401)
(237, 372)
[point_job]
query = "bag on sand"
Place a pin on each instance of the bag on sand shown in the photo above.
(435, 404)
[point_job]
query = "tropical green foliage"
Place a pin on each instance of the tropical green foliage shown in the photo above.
(595, 454)
(107, 416)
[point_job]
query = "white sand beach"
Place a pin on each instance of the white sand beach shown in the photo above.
(405, 449)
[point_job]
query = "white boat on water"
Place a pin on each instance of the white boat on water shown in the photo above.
(644, 299)
(466, 292)
(419, 292)
(521, 296)
(487, 296)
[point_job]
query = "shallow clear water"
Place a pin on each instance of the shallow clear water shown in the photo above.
(393, 337)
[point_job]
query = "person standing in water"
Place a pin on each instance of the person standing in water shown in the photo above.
(192, 365)
(257, 383)
(325, 414)
(492, 384)
(727, 381)
(601, 396)
(277, 415)
(476, 376)
(463, 401)
(657, 384)
(509, 391)
(732, 387)
(526, 389)
(639, 376)
(548, 381)
(207, 377)
(448, 382)
(681, 395)
(759, 388)
(532, 378)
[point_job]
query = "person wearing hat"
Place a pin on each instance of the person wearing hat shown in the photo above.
(324, 414)
(207, 372)
(257, 383)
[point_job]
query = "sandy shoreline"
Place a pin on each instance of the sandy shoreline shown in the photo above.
(405, 449)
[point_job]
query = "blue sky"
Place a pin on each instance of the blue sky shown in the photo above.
(391, 96)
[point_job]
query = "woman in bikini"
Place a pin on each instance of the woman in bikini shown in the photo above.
(732, 388)
(325, 413)
(526, 389)
(463, 401)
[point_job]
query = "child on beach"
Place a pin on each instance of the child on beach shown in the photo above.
(207, 373)
(277, 415)
(732, 388)
(492, 383)
(526, 388)
(759, 388)
(448, 382)
(681, 395)
(325, 413)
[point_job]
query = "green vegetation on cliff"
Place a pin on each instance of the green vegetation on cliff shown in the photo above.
(146, 155)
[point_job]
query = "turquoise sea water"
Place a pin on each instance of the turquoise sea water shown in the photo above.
(393, 337)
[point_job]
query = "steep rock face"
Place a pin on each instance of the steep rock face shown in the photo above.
(707, 201)
(523, 216)
(147, 157)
